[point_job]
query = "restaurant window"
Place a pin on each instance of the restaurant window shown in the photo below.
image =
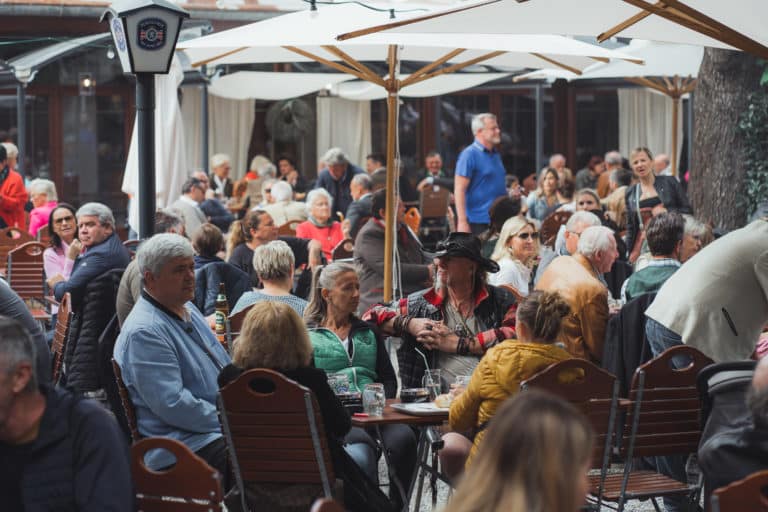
(518, 131)
(597, 125)
(36, 160)
(455, 113)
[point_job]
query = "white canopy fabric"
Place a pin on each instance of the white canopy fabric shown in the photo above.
(587, 18)
(266, 41)
(661, 59)
(444, 84)
(273, 86)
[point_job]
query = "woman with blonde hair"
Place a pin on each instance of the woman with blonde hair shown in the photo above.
(515, 252)
(535, 458)
(274, 337)
(505, 366)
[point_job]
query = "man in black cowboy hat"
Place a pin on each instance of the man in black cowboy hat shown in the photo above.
(452, 324)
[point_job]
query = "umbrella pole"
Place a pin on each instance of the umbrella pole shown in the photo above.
(675, 109)
(391, 186)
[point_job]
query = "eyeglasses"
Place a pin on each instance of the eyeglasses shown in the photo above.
(63, 219)
(268, 191)
(525, 236)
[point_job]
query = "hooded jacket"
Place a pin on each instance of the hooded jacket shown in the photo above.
(496, 378)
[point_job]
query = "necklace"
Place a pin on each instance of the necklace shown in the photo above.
(460, 327)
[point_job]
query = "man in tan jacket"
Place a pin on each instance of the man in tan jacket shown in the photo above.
(578, 279)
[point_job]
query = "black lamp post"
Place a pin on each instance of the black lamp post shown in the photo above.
(145, 34)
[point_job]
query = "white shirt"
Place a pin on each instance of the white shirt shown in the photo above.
(513, 273)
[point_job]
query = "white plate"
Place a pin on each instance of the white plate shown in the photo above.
(424, 409)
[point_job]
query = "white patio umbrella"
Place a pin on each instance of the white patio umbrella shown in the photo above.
(310, 36)
(712, 23)
(273, 86)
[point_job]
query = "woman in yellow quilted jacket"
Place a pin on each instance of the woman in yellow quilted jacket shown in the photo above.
(500, 371)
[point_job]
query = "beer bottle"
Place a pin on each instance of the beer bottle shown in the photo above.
(221, 312)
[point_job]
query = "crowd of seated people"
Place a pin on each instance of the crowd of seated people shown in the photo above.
(487, 311)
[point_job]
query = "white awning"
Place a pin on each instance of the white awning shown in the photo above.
(444, 84)
(266, 85)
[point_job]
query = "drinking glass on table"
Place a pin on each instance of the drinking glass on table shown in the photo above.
(460, 384)
(374, 399)
(432, 381)
(339, 383)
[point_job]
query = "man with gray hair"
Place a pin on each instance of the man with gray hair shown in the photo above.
(359, 210)
(336, 177)
(169, 356)
(567, 239)
(220, 182)
(166, 221)
(102, 251)
(285, 209)
(480, 176)
(577, 279)
(57, 451)
(188, 204)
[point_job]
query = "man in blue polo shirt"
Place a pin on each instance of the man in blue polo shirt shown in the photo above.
(480, 176)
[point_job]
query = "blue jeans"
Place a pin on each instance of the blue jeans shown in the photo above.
(660, 339)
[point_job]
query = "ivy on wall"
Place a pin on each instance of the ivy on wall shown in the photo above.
(753, 126)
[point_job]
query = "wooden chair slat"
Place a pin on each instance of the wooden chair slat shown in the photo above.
(125, 400)
(61, 335)
(343, 249)
(746, 495)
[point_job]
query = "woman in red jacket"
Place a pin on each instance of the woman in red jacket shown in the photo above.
(321, 226)
(13, 195)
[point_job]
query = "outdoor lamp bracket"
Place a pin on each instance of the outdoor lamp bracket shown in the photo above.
(145, 33)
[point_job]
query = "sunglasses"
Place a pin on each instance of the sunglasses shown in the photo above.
(525, 236)
(268, 191)
(582, 203)
(63, 219)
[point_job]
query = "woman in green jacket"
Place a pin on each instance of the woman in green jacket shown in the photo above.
(344, 344)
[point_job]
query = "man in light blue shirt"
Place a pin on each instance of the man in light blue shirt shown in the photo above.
(170, 358)
(480, 176)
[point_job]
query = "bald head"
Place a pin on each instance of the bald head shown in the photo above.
(660, 163)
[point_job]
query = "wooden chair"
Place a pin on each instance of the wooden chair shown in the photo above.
(235, 324)
(125, 399)
(132, 246)
(289, 228)
(61, 335)
(10, 238)
(42, 235)
(274, 433)
(326, 505)
(433, 206)
(191, 485)
(551, 225)
(595, 392)
(25, 274)
(412, 219)
(343, 249)
(746, 495)
(663, 418)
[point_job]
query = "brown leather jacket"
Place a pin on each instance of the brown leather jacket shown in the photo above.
(583, 330)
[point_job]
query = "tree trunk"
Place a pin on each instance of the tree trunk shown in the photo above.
(726, 79)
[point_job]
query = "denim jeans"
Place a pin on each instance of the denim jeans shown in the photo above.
(660, 339)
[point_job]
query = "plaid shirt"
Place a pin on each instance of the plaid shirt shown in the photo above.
(494, 307)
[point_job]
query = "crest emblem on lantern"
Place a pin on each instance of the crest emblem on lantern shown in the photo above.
(151, 33)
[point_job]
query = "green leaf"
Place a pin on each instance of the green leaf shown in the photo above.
(764, 78)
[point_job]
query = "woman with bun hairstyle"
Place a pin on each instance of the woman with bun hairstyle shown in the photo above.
(535, 458)
(500, 371)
